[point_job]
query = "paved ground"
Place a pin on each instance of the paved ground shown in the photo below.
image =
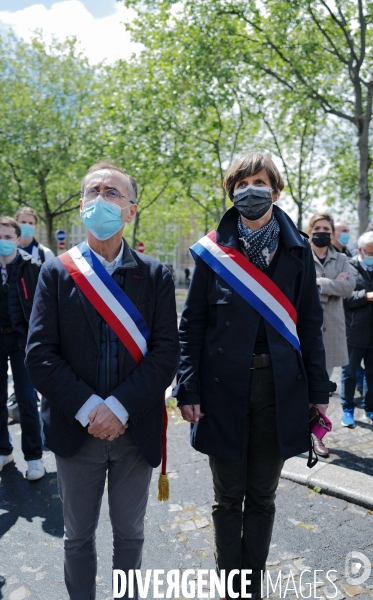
(351, 448)
(311, 530)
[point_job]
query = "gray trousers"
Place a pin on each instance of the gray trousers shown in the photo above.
(81, 482)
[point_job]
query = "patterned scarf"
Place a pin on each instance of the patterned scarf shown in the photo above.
(259, 244)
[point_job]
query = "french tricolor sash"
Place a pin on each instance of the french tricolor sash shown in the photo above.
(119, 312)
(108, 298)
(251, 283)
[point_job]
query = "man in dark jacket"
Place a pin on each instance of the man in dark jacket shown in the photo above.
(19, 275)
(102, 384)
(245, 381)
(359, 327)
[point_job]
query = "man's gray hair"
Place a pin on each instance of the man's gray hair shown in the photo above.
(106, 164)
(364, 239)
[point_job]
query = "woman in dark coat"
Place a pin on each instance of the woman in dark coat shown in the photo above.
(243, 386)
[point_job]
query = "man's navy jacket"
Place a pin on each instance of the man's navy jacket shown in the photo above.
(218, 330)
(63, 354)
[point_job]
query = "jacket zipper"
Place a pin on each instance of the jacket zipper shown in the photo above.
(107, 360)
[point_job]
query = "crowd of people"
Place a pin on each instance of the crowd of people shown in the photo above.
(270, 312)
(345, 282)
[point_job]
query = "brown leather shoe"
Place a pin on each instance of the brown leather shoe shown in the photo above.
(320, 448)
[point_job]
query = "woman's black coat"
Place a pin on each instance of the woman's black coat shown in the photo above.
(218, 330)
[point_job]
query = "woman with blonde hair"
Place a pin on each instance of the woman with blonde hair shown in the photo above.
(335, 280)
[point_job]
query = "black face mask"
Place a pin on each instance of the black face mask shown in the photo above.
(253, 202)
(321, 239)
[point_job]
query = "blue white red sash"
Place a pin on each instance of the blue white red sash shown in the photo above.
(251, 283)
(108, 298)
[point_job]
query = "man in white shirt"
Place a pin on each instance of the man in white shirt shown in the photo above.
(102, 349)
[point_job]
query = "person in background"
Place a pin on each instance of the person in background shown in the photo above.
(359, 324)
(19, 276)
(354, 249)
(187, 275)
(341, 237)
(27, 219)
(335, 280)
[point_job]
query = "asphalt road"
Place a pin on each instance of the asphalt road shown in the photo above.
(311, 530)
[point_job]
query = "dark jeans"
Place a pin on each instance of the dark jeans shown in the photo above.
(26, 398)
(348, 378)
(244, 493)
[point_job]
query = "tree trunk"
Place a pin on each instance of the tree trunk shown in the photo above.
(52, 243)
(364, 165)
(135, 230)
(300, 215)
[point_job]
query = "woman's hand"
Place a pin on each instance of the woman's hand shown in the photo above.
(191, 413)
(342, 276)
(321, 407)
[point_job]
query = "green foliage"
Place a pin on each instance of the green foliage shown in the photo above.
(303, 60)
(45, 97)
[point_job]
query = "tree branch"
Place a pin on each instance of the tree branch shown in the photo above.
(342, 25)
(278, 147)
(157, 196)
(18, 181)
(328, 38)
(55, 212)
(312, 93)
(62, 212)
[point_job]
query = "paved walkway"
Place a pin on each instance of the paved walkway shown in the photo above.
(351, 448)
(311, 530)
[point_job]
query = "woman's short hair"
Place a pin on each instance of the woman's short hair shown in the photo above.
(320, 216)
(26, 210)
(250, 163)
(364, 239)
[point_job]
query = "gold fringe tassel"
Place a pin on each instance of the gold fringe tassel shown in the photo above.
(163, 488)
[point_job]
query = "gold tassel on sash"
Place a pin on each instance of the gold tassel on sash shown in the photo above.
(163, 483)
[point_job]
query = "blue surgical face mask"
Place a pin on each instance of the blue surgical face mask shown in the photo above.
(7, 247)
(344, 238)
(27, 230)
(101, 218)
(368, 260)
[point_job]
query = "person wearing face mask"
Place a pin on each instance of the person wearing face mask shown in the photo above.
(27, 219)
(335, 279)
(341, 238)
(359, 325)
(252, 360)
(19, 275)
(102, 349)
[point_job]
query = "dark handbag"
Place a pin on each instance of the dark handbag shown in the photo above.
(314, 417)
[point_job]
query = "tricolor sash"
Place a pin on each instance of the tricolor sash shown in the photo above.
(108, 298)
(251, 283)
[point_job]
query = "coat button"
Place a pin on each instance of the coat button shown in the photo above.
(217, 379)
(299, 377)
(227, 323)
(220, 350)
(324, 328)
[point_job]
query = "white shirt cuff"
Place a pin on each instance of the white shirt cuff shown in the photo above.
(117, 408)
(88, 406)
